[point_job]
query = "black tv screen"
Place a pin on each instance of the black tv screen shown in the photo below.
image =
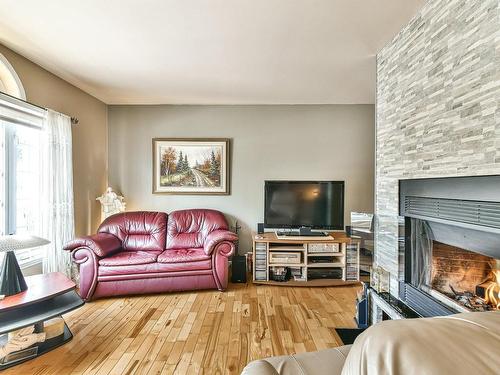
(315, 204)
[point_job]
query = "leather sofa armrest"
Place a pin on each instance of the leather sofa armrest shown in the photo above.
(329, 361)
(217, 237)
(88, 263)
(101, 244)
(220, 253)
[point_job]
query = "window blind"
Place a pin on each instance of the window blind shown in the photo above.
(18, 111)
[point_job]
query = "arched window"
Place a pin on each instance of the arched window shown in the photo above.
(9, 80)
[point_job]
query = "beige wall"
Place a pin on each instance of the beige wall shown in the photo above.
(323, 142)
(269, 142)
(89, 136)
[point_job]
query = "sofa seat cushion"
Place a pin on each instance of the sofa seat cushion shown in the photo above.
(182, 256)
(128, 258)
(155, 268)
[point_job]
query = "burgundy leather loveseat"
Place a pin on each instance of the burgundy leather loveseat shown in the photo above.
(150, 252)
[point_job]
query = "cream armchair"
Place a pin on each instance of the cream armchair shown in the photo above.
(459, 344)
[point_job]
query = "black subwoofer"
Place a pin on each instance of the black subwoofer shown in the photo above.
(239, 269)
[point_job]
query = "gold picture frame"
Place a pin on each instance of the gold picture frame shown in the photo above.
(192, 166)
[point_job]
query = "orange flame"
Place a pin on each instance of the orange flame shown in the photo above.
(492, 293)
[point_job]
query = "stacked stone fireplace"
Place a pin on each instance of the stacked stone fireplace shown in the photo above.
(451, 252)
(437, 114)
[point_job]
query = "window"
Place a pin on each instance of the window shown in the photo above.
(21, 183)
(20, 139)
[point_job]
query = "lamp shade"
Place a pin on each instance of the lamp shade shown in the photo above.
(11, 278)
(20, 241)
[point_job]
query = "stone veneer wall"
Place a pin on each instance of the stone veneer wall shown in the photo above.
(438, 112)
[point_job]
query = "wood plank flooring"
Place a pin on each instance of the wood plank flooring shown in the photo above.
(204, 332)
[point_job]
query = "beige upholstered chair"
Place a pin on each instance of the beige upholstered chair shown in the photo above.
(459, 344)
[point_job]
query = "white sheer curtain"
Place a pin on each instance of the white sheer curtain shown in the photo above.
(57, 222)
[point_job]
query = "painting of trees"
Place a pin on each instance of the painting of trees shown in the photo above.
(182, 163)
(214, 165)
(186, 165)
(168, 161)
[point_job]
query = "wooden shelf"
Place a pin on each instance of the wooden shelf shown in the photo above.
(309, 283)
(43, 347)
(40, 288)
(39, 312)
(339, 254)
(287, 265)
(339, 237)
(286, 248)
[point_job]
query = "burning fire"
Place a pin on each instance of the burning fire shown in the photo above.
(492, 292)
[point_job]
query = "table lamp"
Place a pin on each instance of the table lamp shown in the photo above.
(11, 278)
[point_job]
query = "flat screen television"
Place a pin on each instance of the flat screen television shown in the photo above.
(295, 204)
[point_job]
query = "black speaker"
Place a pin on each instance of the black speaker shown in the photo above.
(239, 269)
(260, 228)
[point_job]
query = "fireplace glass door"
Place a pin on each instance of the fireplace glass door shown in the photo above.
(460, 278)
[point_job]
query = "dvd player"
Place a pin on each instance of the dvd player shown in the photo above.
(324, 273)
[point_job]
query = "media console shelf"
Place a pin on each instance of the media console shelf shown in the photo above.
(335, 257)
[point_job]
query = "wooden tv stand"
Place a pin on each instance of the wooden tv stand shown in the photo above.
(342, 250)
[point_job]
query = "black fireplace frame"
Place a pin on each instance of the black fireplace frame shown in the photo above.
(423, 303)
(456, 195)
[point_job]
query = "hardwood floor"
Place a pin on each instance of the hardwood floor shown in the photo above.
(197, 332)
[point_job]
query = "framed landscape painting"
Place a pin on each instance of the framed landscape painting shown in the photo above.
(191, 165)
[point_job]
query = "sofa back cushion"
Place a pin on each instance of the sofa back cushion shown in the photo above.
(188, 228)
(140, 230)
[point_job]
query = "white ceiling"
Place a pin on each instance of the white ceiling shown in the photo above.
(209, 51)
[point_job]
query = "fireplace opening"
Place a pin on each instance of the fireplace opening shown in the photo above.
(460, 278)
(464, 276)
